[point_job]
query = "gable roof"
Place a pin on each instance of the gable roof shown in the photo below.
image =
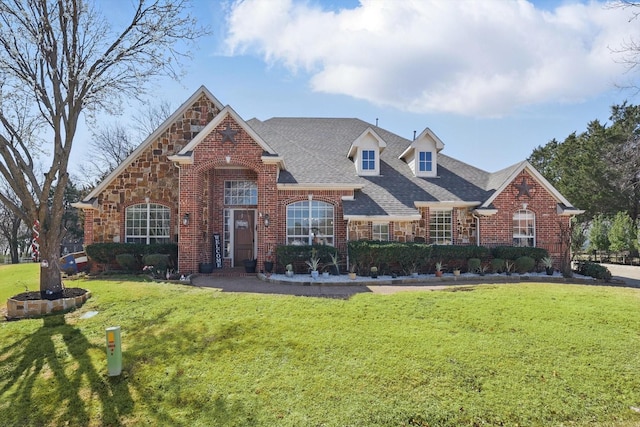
(506, 176)
(316, 152)
(187, 150)
(425, 134)
(87, 202)
(356, 142)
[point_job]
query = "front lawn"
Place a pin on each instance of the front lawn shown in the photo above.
(526, 354)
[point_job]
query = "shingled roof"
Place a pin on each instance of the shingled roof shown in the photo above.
(315, 151)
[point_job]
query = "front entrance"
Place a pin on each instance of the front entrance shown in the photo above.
(243, 236)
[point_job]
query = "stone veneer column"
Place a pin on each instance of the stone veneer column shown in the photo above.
(190, 236)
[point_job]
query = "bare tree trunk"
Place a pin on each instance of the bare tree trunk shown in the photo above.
(50, 278)
(13, 240)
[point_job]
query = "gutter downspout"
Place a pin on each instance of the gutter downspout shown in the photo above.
(348, 260)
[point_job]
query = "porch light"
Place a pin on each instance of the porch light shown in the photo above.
(267, 220)
(185, 219)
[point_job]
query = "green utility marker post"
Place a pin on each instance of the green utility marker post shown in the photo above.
(114, 351)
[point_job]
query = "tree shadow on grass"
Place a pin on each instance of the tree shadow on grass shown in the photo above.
(49, 378)
(161, 369)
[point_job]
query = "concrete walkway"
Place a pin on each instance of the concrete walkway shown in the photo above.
(622, 275)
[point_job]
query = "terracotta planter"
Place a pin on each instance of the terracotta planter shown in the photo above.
(352, 276)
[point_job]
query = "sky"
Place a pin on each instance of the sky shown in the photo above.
(493, 79)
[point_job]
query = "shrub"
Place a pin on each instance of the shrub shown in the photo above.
(455, 256)
(106, 253)
(497, 265)
(159, 262)
(515, 252)
(524, 264)
(473, 265)
(128, 262)
(594, 270)
(389, 256)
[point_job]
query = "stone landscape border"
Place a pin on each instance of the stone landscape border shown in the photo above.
(17, 309)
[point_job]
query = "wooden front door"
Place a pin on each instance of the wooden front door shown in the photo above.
(243, 236)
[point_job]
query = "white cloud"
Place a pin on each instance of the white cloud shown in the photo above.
(484, 57)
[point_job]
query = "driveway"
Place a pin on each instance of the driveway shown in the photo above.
(630, 274)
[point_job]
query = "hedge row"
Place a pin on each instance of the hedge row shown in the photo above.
(107, 253)
(404, 258)
(388, 256)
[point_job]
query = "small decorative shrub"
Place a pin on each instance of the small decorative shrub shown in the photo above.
(128, 262)
(497, 265)
(473, 265)
(156, 264)
(515, 252)
(594, 270)
(524, 264)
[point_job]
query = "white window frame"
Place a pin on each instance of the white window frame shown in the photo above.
(524, 228)
(240, 193)
(369, 164)
(380, 231)
(423, 164)
(147, 223)
(309, 222)
(441, 226)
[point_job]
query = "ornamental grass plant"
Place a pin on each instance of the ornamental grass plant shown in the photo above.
(527, 354)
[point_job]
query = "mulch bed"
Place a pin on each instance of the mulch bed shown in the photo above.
(37, 295)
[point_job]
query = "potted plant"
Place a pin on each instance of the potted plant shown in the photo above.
(313, 264)
(352, 271)
(250, 265)
(325, 273)
(508, 266)
(483, 269)
(438, 267)
(374, 272)
(456, 272)
(547, 262)
(335, 267)
(289, 270)
(268, 262)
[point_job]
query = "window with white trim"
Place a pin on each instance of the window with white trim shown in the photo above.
(309, 222)
(380, 232)
(440, 226)
(425, 161)
(524, 228)
(368, 160)
(147, 223)
(240, 193)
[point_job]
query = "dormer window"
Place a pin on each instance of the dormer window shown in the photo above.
(422, 154)
(425, 161)
(365, 152)
(368, 160)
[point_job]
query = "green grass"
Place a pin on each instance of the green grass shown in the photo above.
(18, 278)
(526, 354)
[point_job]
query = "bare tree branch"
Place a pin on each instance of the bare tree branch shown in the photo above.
(62, 58)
